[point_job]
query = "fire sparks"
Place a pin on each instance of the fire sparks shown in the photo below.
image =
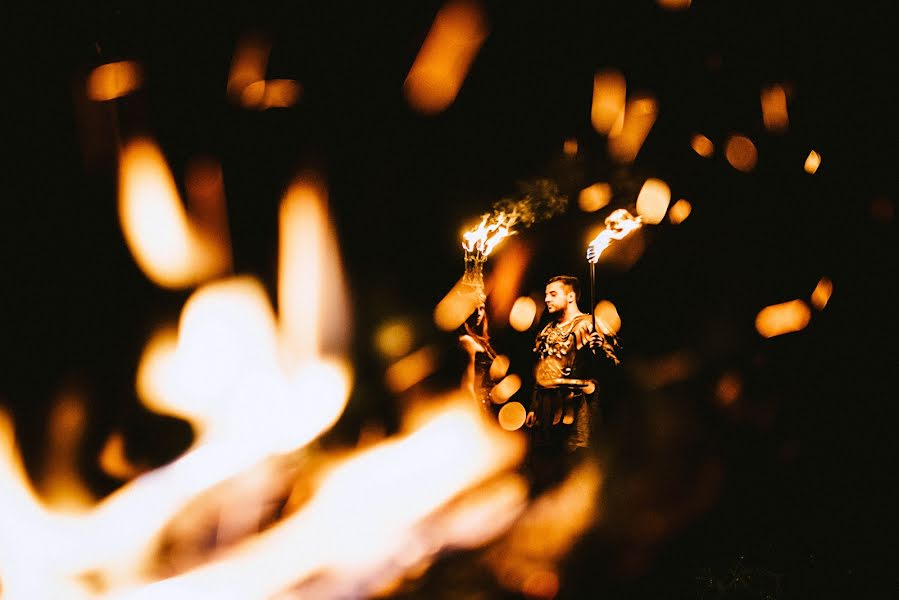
(442, 63)
(741, 153)
(702, 145)
(779, 319)
(822, 293)
(617, 226)
(812, 162)
(680, 211)
(774, 108)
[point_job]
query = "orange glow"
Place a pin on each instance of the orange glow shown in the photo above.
(114, 80)
(506, 388)
(822, 293)
(674, 4)
(171, 250)
(680, 211)
(609, 91)
(652, 202)
(113, 460)
(639, 117)
(702, 145)
(812, 162)
(607, 319)
(569, 148)
(728, 389)
(741, 153)
(511, 416)
(410, 370)
(617, 226)
(594, 197)
(779, 319)
(523, 312)
(61, 487)
(548, 529)
(205, 186)
(774, 108)
(248, 67)
(437, 74)
(394, 339)
(281, 93)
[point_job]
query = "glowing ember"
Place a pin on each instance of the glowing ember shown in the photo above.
(741, 153)
(437, 74)
(822, 293)
(569, 148)
(779, 319)
(680, 211)
(674, 4)
(774, 108)
(618, 225)
(702, 145)
(812, 162)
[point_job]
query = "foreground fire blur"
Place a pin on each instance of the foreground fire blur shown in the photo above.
(257, 387)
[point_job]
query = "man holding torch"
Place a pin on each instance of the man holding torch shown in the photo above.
(563, 405)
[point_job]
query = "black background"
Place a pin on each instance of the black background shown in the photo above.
(807, 455)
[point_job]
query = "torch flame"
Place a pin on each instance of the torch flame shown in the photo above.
(618, 225)
(489, 233)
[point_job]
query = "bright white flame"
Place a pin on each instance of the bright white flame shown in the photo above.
(618, 225)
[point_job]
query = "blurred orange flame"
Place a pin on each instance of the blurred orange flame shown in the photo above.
(607, 112)
(617, 226)
(114, 80)
(436, 76)
(741, 153)
(506, 388)
(702, 145)
(595, 197)
(170, 248)
(822, 293)
(505, 280)
(779, 319)
(728, 389)
(653, 200)
(774, 108)
(680, 211)
(639, 117)
(812, 162)
(569, 148)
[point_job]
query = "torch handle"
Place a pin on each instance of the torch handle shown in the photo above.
(593, 293)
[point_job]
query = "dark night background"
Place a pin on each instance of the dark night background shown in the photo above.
(804, 506)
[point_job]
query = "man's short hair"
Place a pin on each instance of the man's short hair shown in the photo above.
(570, 281)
